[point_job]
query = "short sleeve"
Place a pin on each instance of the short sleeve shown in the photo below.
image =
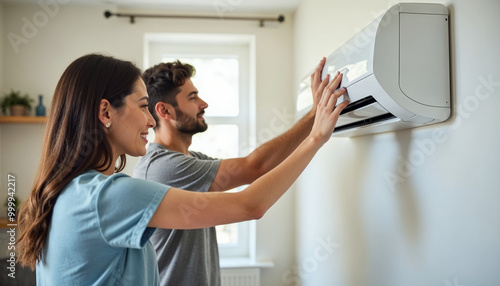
(124, 207)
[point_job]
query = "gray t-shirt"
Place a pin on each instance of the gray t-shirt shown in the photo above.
(185, 257)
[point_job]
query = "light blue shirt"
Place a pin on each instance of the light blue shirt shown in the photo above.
(98, 234)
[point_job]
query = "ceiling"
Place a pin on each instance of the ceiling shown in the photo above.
(187, 5)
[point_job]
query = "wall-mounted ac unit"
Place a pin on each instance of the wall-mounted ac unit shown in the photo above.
(396, 71)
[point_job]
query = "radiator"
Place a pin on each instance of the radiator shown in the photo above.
(240, 277)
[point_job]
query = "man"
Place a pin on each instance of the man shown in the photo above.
(190, 257)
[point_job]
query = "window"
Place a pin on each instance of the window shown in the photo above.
(223, 79)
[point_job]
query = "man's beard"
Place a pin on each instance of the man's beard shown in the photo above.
(189, 125)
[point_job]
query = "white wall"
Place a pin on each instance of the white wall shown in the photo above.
(439, 226)
(1, 48)
(74, 31)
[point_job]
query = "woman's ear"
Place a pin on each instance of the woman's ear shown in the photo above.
(104, 110)
(165, 110)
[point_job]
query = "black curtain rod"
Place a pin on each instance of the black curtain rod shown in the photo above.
(132, 17)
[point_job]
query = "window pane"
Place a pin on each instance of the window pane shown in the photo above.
(219, 141)
(217, 82)
(227, 235)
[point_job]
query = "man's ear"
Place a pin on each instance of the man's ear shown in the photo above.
(104, 112)
(165, 110)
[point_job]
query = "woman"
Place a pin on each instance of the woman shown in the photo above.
(85, 224)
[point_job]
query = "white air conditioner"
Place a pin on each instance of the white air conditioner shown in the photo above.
(396, 71)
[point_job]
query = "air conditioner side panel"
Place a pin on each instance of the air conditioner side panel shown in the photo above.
(424, 59)
(411, 59)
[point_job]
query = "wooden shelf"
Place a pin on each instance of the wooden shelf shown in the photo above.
(23, 119)
(5, 223)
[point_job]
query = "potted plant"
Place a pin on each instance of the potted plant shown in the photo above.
(17, 103)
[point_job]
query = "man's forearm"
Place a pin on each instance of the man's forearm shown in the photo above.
(270, 154)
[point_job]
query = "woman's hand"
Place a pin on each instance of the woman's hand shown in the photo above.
(317, 85)
(327, 113)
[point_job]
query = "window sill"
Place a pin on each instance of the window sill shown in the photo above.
(227, 263)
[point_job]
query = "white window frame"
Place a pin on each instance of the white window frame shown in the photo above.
(202, 45)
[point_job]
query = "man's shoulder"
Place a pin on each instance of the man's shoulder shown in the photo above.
(157, 153)
(200, 155)
(154, 152)
(158, 160)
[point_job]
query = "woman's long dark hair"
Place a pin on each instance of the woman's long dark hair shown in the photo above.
(75, 141)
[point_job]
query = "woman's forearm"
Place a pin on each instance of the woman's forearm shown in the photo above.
(266, 190)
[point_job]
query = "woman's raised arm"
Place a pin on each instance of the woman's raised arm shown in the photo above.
(181, 209)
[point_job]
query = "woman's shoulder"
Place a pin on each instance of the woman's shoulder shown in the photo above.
(93, 178)
(95, 186)
(91, 182)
